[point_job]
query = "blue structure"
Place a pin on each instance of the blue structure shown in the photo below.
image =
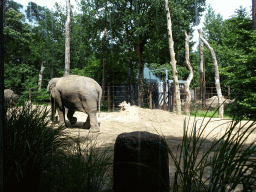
(148, 75)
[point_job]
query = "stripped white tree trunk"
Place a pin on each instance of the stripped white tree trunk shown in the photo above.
(201, 67)
(190, 76)
(67, 39)
(173, 61)
(216, 76)
(40, 77)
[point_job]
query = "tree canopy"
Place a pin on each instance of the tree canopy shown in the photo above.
(128, 35)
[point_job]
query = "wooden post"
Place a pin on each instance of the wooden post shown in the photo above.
(173, 98)
(109, 104)
(103, 78)
(203, 94)
(164, 95)
(228, 91)
(29, 94)
(113, 99)
(169, 97)
(195, 94)
(150, 95)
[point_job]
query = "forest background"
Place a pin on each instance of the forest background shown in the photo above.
(129, 35)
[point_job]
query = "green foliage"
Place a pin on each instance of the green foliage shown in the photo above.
(215, 163)
(233, 41)
(19, 75)
(30, 143)
(206, 113)
(17, 37)
(35, 151)
(93, 70)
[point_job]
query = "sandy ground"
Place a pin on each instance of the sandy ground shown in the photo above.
(157, 121)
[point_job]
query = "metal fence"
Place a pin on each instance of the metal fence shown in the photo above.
(155, 95)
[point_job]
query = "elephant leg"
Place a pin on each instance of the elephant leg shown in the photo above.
(71, 119)
(61, 112)
(87, 123)
(93, 123)
(53, 111)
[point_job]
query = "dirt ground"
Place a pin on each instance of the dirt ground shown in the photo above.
(157, 121)
(134, 118)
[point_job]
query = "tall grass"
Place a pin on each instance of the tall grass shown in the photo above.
(38, 157)
(205, 163)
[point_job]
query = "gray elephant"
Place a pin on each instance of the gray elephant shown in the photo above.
(10, 98)
(76, 93)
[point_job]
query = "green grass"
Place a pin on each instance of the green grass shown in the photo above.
(207, 113)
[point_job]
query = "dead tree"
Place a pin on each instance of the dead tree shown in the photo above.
(67, 39)
(190, 76)
(202, 82)
(40, 77)
(173, 61)
(216, 76)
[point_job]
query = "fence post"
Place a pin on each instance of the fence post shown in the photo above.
(173, 98)
(203, 94)
(228, 91)
(113, 100)
(29, 94)
(164, 95)
(195, 93)
(109, 104)
(150, 95)
(169, 97)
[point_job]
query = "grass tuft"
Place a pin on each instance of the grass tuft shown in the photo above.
(205, 163)
(38, 157)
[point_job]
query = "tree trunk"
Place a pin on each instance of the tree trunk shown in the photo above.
(201, 68)
(40, 77)
(104, 63)
(67, 39)
(202, 82)
(138, 51)
(190, 77)
(173, 61)
(216, 76)
(254, 14)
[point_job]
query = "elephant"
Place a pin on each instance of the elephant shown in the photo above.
(10, 98)
(76, 93)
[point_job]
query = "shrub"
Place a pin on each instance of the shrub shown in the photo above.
(38, 157)
(29, 143)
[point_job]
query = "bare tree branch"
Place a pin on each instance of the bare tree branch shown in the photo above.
(216, 76)
(173, 61)
(191, 75)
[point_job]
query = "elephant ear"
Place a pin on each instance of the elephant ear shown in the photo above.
(52, 84)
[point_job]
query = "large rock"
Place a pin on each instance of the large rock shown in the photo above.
(140, 163)
(10, 98)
